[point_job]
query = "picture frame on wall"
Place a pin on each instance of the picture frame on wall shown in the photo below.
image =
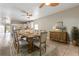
(59, 25)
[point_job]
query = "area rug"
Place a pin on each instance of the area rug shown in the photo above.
(50, 52)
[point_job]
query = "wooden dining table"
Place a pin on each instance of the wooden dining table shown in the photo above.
(30, 37)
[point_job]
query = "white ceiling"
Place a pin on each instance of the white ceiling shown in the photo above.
(13, 10)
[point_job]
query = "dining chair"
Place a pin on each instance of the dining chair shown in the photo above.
(40, 42)
(20, 41)
(16, 43)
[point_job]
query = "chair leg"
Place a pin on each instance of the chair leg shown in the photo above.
(14, 45)
(45, 46)
(33, 47)
(18, 48)
(40, 51)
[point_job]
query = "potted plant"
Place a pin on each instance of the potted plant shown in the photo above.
(75, 35)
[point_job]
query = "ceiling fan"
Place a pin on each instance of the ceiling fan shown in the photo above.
(26, 13)
(49, 4)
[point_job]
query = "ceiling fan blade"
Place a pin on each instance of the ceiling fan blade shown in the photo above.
(23, 11)
(41, 5)
(30, 20)
(26, 13)
(23, 15)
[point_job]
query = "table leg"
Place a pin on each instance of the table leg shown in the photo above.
(30, 45)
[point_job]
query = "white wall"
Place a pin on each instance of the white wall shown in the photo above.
(70, 18)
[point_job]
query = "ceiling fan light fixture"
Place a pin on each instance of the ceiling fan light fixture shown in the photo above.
(47, 3)
(51, 4)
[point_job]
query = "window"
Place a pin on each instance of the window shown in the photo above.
(36, 27)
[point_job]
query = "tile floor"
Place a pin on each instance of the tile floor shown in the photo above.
(65, 49)
(53, 49)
